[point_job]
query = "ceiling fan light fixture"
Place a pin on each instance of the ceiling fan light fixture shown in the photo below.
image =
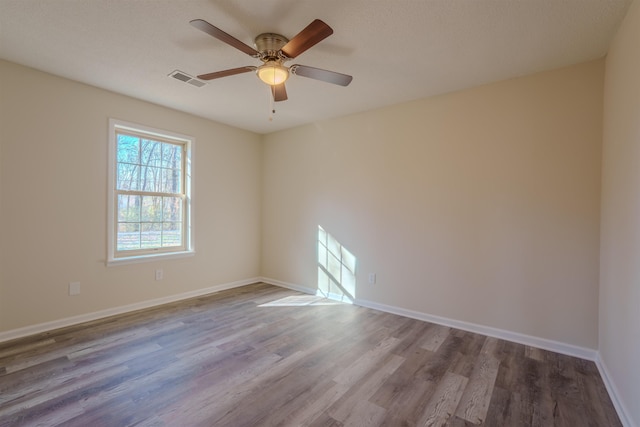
(274, 50)
(273, 73)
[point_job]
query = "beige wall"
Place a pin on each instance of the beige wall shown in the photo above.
(481, 205)
(53, 173)
(620, 248)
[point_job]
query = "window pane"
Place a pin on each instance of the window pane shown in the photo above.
(172, 209)
(128, 208)
(150, 179)
(151, 235)
(128, 149)
(128, 176)
(172, 234)
(151, 209)
(151, 153)
(171, 182)
(171, 156)
(128, 237)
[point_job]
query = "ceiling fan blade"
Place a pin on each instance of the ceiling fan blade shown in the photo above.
(320, 74)
(216, 32)
(225, 73)
(313, 34)
(279, 92)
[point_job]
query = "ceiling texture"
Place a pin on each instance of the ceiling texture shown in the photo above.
(396, 50)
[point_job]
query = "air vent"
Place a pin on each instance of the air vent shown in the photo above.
(184, 77)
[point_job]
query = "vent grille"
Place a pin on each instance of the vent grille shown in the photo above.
(184, 77)
(196, 83)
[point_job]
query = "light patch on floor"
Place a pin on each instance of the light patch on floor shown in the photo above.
(300, 300)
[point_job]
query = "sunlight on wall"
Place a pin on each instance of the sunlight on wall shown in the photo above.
(336, 269)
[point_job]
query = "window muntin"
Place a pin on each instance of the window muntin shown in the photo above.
(151, 193)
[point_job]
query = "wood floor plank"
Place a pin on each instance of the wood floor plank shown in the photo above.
(325, 420)
(504, 409)
(260, 355)
(314, 410)
(593, 390)
(42, 401)
(475, 400)
(364, 413)
(366, 362)
(435, 365)
(408, 402)
(342, 410)
(23, 347)
(262, 390)
(434, 337)
(444, 401)
(534, 353)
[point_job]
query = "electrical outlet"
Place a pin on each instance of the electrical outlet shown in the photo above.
(372, 278)
(159, 274)
(74, 288)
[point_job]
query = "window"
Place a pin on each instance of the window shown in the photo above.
(149, 193)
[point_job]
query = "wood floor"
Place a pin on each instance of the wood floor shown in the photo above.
(264, 356)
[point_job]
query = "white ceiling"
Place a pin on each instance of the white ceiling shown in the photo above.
(396, 50)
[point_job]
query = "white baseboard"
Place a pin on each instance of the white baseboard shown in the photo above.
(74, 320)
(621, 409)
(542, 343)
(556, 346)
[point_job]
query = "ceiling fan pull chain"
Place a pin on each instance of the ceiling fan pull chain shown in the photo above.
(272, 108)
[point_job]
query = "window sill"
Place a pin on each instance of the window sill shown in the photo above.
(149, 258)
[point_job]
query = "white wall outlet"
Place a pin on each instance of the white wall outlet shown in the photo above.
(74, 288)
(159, 274)
(372, 278)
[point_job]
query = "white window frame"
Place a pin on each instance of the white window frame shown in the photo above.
(116, 258)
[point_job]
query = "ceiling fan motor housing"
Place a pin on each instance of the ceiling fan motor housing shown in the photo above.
(269, 45)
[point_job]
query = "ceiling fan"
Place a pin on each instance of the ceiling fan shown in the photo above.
(274, 50)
